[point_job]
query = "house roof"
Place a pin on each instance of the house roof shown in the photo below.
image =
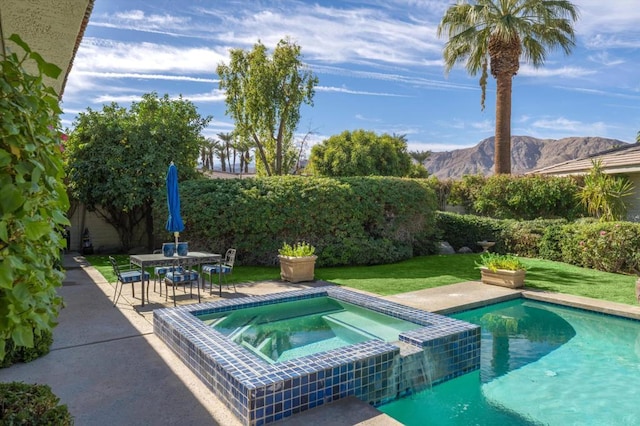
(625, 159)
(52, 28)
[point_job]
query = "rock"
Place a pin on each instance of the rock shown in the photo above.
(465, 250)
(445, 248)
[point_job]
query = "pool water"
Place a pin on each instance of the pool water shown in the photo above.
(289, 330)
(540, 364)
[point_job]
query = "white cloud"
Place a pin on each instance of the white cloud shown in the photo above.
(141, 76)
(213, 96)
(354, 92)
(99, 55)
(545, 71)
(604, 58)
(564, 126)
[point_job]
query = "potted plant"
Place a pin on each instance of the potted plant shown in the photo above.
(297, 262)
(505, 270)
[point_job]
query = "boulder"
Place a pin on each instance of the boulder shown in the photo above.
(445, 248)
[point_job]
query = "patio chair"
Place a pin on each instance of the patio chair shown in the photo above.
(180, 276)
(223, 268)
(160, 271)
(128, 276)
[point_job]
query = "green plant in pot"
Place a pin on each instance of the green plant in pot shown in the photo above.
(505, 270)
(297, 262)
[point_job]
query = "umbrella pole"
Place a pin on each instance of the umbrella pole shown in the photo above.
(175, 234)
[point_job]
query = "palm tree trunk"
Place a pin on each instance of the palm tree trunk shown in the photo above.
(502, 152)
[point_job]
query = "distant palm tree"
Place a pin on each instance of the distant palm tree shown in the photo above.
(494, 34)
(420, 156)
(227, 140)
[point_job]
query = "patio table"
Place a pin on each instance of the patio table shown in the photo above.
(193, 258)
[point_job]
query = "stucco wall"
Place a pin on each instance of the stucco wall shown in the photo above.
(104, 237)
(633, 213)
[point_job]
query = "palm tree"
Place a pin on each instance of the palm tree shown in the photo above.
(420, 156)
(494, 34)
(227, 140)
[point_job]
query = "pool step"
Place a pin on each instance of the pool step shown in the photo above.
(214, 321)
(365, 325)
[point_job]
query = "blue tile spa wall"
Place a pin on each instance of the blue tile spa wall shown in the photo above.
(259, 392)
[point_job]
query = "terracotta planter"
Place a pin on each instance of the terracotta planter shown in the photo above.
(297, 269)
(502, 277)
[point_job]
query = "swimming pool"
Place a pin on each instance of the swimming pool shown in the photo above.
(540, 364)
(289, 330)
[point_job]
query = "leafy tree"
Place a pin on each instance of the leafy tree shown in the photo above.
(264, 95)
(603, 195)
(361, 153)
(494, 34)
(33, 201)
(118, 158)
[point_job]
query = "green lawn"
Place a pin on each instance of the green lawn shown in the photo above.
(437, 270)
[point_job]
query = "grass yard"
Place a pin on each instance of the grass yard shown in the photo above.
(438, 270)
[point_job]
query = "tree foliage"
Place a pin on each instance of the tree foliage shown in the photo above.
(118, 158)
(494, 34)
(363, 153)
(33, 202)
(264, 95)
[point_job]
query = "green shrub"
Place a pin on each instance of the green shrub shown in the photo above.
(606, 246)
(42, 342)
(525, 237)
(299, 249)
(350, 221)
(25, 404)
(466, 230)
(34, 199)
(549, 246)
(495, 261)
(518, 197)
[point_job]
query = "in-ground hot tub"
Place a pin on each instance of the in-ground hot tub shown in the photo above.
(260, 387)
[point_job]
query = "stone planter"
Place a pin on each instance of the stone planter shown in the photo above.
(503, 277)
(297, 269)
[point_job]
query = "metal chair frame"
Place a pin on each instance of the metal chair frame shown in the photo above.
(224, 267)
(179, 276)
(129, 276)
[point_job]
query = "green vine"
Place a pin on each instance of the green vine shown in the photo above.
(34, 199)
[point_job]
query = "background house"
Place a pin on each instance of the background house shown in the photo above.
(618, 161)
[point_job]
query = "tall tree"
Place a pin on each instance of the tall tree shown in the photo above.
(361, 153)
(227, 146)
(495, 34)
(117, 159)
(264, 95)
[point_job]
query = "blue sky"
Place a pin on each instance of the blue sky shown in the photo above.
(379, 64)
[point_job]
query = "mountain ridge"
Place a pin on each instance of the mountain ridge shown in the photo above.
(527, 154)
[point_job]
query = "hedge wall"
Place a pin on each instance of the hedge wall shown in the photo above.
(350, 221)
(605, 246)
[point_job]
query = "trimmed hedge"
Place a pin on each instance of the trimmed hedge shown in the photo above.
(519, 197)
(350, 221)
(25, 404)
(605, 246)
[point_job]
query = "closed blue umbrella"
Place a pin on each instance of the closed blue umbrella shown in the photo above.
(174, 223)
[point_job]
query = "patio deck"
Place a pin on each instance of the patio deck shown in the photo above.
(109, 368)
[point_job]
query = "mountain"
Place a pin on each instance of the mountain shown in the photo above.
(527, 153)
